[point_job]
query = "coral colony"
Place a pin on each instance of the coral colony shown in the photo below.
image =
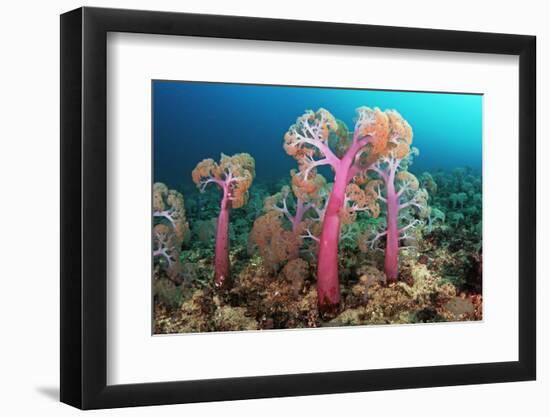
(371, 244)
(378, 136)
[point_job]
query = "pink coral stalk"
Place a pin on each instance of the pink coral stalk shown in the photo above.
(221, 252)
(221, 260)
(392, 232)
(301, 208)
(296, 219)
(328, 286)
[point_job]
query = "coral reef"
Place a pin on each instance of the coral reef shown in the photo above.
(353, 236)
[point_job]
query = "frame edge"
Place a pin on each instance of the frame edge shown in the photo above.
(70, 212)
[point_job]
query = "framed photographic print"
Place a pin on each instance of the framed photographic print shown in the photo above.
(258, 208)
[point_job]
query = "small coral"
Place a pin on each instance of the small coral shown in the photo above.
(170, 229)
(168, 205)
(428, 182)
(229, 318)
(425, 286)
(351, 317)
(368, 276)
(191, 317)
(205, 230)
(455, 218)
(435, 217)
(296, 271)
(166, 249)
(168, 292)
(275, 244)
(459, 308)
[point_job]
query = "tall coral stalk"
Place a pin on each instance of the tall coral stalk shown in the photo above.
(328, 283)
(234, 176)
(221, 253)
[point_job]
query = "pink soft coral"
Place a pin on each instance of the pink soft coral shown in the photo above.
(308, 142)
(234, 176)
(401, 190)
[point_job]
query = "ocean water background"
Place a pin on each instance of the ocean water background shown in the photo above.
(195, 120)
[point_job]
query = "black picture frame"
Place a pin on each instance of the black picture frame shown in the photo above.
(84, 207)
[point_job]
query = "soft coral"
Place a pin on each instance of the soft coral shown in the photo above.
(308, 142)
(234, 176)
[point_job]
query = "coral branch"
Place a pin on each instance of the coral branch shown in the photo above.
(309, 235)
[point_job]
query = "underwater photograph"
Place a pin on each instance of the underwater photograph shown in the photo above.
(284, 207)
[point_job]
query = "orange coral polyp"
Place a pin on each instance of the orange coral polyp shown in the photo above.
(204, 169)
(376, 124)
(400, 130)
(410, 179)
(401, 150)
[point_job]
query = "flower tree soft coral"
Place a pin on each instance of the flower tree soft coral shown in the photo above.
(168, 205)
(275, 243)
(167, 248)
(280, 202)
(317, 139)
(278, 233)
(171, 228)
(234, 176)
(396, 184)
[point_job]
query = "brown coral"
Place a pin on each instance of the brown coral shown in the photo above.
(275, 244)
(296, 271)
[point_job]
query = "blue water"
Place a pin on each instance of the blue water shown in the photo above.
(193, 121)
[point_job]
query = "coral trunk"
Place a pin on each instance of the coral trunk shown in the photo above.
(221, 259)
(328, 285)
(298, 217)
(392, 236)
(296, 221)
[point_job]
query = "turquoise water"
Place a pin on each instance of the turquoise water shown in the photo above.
(195, 120)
